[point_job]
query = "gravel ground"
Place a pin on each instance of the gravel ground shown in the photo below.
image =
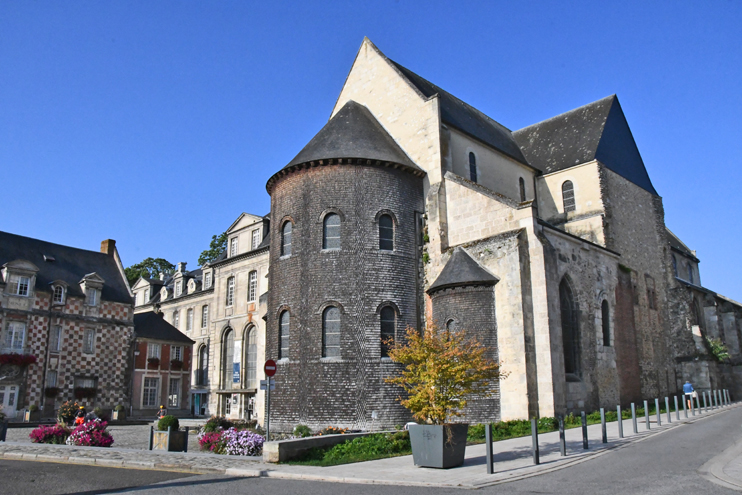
(125, 437)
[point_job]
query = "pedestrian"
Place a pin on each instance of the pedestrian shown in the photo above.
(80, 416)
(689, 393)
(162, 412)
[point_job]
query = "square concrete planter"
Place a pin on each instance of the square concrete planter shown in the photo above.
(438, 446)
(32, 416)
(118, 415)
(171, 440)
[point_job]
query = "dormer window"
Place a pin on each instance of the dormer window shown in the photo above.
(92, 296)
(207, 280)
(146, 296)
(178, 288)
(19, 285)
(255, 239)
(58, 297)
(233, 247)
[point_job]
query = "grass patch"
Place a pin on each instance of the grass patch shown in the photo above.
(368, 448)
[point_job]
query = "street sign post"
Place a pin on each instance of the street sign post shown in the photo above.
(268, 385)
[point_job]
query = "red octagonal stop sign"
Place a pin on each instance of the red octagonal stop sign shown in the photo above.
(270, 367)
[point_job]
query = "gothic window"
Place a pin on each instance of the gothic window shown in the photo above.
(286, 239)
(283, 336)
(58, 294)
(331, 231)
(252, 286)
(451, 326)
(386, 233)
(606, 317)
(522, 187)
(472, 167)
(331, 332)
(230, 291)
(388, 327)
(570, 338)
(675, 265)
(227, 359)
(568, 196)
(251, 361)
(690, 273)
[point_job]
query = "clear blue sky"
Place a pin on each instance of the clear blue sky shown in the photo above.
(158, 123)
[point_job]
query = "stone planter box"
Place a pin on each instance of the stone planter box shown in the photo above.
(285, 450)
(438, 446)
(170, 440)
(118, 415)
(32, 416)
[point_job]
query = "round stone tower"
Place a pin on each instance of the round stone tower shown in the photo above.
(344, 270)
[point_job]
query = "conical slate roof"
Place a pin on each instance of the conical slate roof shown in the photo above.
(352, 133)
(462, 269)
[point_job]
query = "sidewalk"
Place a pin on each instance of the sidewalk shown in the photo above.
(513, 459)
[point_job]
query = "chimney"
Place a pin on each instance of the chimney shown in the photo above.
(181, 267)
(162, 276)
(108, 246)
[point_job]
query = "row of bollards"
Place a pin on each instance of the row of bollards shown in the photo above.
(716, 399)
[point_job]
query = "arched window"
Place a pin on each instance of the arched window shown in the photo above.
(605, 314)
(690, 273)
(230, 291)
(568, 196)
(386, 233)
(286, 239)
(59, 294)
(331, 332)
(251, 359)
(202, 373)
(283, 335)
(227, 359)
(674, 265)
(472, 167)
(697, 315)
(388, 327)
(570, 337)
(331, 231)
(451, 326)
(522, 187)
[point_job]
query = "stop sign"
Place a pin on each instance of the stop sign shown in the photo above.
(270, 367)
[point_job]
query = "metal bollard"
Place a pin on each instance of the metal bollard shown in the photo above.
(705, 406)
(488, 440)
(657, 411)
(685, 407)
(726, 399)
(677, 411)
(715, 400)
(534, 436)
(562, 440)
(667, 408)
(729, 398)
(633, 417)
(584, 430)
(692, 407)
(151, 436)
(620, 422)
(602, 425)
(646, 413)
(187, 430)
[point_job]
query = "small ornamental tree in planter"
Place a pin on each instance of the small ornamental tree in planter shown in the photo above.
(67, 411)
(119, 413)
(442, 370)
(168, 435)
(33, 414)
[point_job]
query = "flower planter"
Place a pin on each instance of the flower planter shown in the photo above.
(32, 416)
(438, 446)
(119, 415)
(171, 440)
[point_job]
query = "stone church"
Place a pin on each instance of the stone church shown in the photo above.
(548, 243)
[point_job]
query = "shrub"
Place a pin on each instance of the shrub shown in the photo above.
(91, 434)
(56, 434)
(168, 421)
(366, 448)
(33, 408)
(243, 442)
(212, 442)
(119, 408)
(718, 349)
(67, 411)
(216, 423)
(101, 414)
(302, 431)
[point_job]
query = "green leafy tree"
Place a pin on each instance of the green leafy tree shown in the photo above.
(718, 349)
(149, 268)
(217, 247)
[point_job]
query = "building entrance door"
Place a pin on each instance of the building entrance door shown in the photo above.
(9, 399)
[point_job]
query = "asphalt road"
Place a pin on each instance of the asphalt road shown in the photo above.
(665, 463)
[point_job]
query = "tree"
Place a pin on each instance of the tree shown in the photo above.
(149, 268)
(442, 370)
(217, 247)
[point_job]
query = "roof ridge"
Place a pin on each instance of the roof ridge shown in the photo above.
(561, 115)
(53, 243)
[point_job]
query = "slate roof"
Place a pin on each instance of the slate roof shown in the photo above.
(151, 325)
(70, 265)
(466, 118)
(679, 245)
(462, 269)
(597, 131)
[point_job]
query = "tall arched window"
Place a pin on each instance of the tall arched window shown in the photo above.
(331, 332)
(331, 231)
(690, 273)
(202, 373)
(388, 327)
(283, 335)
(386, 233)
(522, 187)
(568, 196)
(472, 167)
(286, 239)
(227, 359)
(251, 359)
(674, 265)
(605, 314)
(570, 337)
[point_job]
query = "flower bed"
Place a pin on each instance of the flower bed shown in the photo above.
(56, 434)
(220, 436)
(91, 434)
(17, 359)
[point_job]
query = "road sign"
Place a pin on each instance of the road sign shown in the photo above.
(264, 385)
(270, 367)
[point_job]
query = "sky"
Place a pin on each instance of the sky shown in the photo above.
(157, 123)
